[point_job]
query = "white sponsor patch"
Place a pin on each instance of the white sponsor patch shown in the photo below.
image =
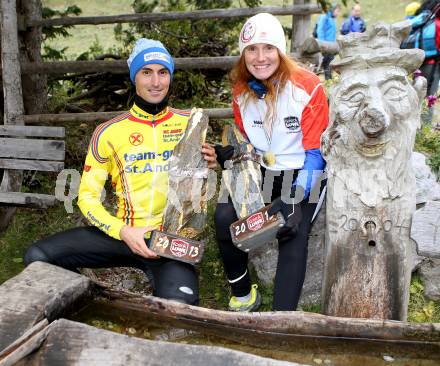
(186, 290)
(156, 56)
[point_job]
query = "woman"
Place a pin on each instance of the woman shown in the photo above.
(282, 109)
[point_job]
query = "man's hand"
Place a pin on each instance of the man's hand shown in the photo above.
(134, 238)
(209, 155)
(292, 214)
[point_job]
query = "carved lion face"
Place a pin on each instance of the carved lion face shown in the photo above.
(374, 107)
(374, 116)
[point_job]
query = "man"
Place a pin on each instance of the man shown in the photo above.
(326, 31)
(354, 23)
(133, 148)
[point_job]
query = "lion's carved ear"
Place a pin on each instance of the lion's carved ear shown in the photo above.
(328, 139)
(419, 84)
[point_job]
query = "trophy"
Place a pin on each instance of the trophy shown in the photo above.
(185, 213)
(242, 178)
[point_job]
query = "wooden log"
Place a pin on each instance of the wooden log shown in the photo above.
(312, 45)
(178, 15)
(40, 291)
(45, 166)
(32, 131)
(281, 322)
(29, 200)
(213, 113)
(71, 343)
(13, 97)
(26, 344)
(32, 149)
(186, 209)
(120, 66)
(243, 180)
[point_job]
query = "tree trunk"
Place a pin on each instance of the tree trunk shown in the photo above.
(34, 85)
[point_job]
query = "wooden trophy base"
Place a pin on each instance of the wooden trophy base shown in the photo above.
(256, 229)
(176, 247)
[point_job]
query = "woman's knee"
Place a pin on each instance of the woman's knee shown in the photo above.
(224, 216)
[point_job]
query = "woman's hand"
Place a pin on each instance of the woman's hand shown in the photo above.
(209, 155)
(134, 237)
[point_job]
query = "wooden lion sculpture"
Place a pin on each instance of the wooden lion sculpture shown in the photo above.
(374, 114)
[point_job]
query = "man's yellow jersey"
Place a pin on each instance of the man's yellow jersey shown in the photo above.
(134, 149)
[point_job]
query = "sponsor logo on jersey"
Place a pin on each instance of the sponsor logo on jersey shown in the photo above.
(255, 221)
(292, 123)
(258, 123)
(148, 155)
(87, 168)
(172, 135)
(136, 138)
(179, 247)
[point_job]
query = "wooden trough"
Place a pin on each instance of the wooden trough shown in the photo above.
(31, 303)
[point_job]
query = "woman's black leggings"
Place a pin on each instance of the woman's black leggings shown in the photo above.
(292, 256)
(89, 247)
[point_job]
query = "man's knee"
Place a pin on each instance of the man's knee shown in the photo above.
(183, 294)
(179, 283)
(35, 254)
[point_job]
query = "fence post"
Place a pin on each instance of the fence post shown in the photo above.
(34, 85)
(13, 97)
(300, 28)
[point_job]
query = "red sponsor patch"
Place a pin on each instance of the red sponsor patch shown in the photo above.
(179, 247)
(248, 32)
(87, 168)
(136, 138)
(255, 221)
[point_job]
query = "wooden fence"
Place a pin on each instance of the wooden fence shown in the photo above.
(301, 11)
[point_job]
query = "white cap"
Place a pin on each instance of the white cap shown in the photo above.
(262, 28)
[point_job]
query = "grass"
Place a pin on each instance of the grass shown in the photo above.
(27, 226)
(421, 310)
(84, 36)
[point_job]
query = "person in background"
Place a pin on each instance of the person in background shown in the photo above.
(282, 109)
(427, 21)
(326, 31)
(133, 151)
(354, 23)
(411, 9)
